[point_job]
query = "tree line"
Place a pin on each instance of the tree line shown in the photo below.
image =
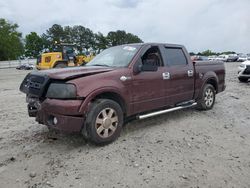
(14, 46)
(211, 53)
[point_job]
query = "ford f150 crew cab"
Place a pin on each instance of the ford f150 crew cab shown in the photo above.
(122, 82)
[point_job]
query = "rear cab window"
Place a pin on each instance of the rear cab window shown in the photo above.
(174, 57)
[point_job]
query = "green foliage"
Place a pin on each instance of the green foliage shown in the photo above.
(11, 42)
(207, 53)
(34, 45)
(210, 53)
(55, 33)
(11, 46)
(101, 42)
(86, 40)
(115, 38)
(83, 38)
(228, 52)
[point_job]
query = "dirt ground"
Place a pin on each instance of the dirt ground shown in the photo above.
(187, 148)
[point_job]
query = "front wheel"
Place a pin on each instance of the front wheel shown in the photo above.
(208, 98)
(104, 121)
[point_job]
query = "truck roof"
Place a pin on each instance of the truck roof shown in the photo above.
(154, 43)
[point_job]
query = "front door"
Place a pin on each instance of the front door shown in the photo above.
(148, 87)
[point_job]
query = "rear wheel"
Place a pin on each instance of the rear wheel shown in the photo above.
(104, 121)
(208, 98)
(243, 79)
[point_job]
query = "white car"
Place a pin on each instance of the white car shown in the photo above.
(212, 58)
(222, 58)
(244, 71)
(242, 58)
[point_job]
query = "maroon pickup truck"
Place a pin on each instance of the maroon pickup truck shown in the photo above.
(121, 83)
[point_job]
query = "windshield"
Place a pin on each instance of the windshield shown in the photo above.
(119, 56)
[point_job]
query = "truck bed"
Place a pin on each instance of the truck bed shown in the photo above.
(209, 63)
(206, 69)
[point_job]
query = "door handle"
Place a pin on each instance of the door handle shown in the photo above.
(166, 76)
(125, 78)
(190, 73)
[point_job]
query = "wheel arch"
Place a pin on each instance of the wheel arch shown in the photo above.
(104, 94)
(112, 96)
(209, 78)
(213, 82)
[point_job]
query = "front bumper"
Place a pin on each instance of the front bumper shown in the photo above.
(63, 122)
(61, 115)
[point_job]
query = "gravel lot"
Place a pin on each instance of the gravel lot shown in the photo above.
(186, 148)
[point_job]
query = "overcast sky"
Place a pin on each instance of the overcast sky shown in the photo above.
(218, 25)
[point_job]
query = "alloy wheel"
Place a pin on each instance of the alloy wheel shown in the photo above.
(106, 122)
(209, 97)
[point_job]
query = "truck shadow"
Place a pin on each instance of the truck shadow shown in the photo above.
(160, 120)
(74, 141)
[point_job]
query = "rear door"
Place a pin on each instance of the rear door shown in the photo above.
(180, 75)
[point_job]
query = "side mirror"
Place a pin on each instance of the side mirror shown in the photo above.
(149, 68)
(137, 67)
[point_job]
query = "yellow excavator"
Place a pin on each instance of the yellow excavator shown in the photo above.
(62, 56)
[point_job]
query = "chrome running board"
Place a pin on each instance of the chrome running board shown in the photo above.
(166, 111)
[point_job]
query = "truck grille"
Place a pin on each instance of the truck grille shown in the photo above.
(34, 85)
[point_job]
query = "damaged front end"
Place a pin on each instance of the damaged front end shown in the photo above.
(34, 86)
(34, 104)
(53, 102)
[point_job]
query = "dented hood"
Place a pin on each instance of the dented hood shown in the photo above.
(74, 72)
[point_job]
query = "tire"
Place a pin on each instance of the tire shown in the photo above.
(60, 65)
(243, 79)
(207, 99)
(103, 122)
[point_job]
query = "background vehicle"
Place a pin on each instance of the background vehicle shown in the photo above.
(222, 58)
(199, 58)
(242, 58)
(25, 67)
(244, 71)
(232, 58)
(212, 58)
(62, 56)
(136, 80)
(248, 56)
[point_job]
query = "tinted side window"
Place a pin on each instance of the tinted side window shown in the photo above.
(152, 56)
(175, 56)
